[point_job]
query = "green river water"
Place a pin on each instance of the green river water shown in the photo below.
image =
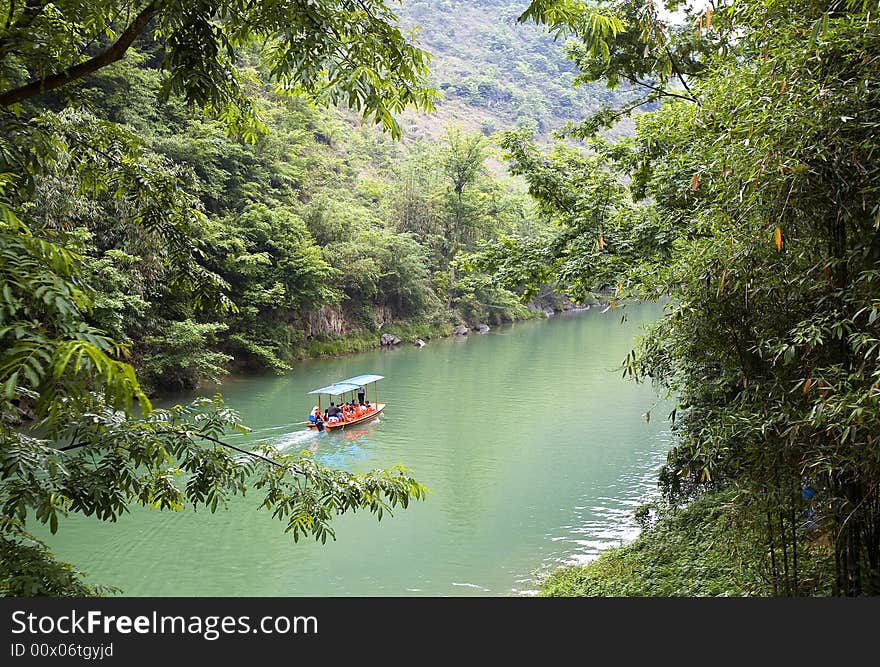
(535, 450)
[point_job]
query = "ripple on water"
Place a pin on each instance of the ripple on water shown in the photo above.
(608, 520)
(512, 487)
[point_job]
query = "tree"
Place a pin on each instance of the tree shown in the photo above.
(333, 50)
(77, 431)
(756, 210)
(276, 273)
(462, 161)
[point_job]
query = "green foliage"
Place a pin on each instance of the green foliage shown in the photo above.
(181, 355)
(275, 269)
(753, 204)
(29, 569)
(479, 299)
(48, 352)
(331, 50)
(386, 269)
(131, 224)
(709, 548)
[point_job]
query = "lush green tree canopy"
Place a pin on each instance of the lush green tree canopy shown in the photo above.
(334, 50)
(751, 199)
(84, 200)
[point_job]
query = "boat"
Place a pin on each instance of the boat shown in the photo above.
(350, 386)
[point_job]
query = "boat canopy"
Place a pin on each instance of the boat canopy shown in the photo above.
(345, 386)
(361, 380)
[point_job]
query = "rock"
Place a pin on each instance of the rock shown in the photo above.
(327, 322)
(388, 339)
(384, 315)
(549, 312)
(482, 328)
(419, 343)
(460, 330)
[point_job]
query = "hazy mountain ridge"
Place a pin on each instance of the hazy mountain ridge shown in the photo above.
(494, 72)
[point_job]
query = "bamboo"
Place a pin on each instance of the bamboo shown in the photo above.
(784, 554)
(773, 568)
(794, 551)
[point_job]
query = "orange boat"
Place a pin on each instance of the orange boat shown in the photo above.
(362, 413)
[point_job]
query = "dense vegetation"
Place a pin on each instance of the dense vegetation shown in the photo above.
(496, 72)
(192, 189)
(321, 229)
(181, 193)
(752, 197)
(130, 220)
(707, 548)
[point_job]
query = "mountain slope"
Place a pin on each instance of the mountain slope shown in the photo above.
(494, 72)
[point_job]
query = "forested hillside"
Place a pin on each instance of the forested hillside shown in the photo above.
(323, 229)
(496, 73)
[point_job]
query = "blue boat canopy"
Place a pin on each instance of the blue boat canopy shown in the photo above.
(363, 379)
(345, 386)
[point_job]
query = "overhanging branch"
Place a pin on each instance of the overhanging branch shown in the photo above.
(110, 55)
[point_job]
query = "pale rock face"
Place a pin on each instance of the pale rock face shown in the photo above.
(460, 330)
(482, 328)
(388, 339)
(384, 315)
(326, 321)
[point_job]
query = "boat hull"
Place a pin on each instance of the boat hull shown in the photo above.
(353, 422)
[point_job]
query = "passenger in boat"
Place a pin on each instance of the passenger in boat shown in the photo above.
(314, 414)
(368, 407)
(332, 411)
(319, 422)
(362, 391)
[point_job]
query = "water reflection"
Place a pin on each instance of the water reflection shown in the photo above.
(533, 447)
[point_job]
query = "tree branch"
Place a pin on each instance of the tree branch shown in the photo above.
(77, 445)
(678, 74)
(110, 55)
(659, 91)
(224, 444)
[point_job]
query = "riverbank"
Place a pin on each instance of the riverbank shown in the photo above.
(360, 340)
(708, 548)
(407, 332)
(508, 494)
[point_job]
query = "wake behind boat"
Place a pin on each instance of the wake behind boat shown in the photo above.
(342, 413)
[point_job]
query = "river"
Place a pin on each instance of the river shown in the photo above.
(535, 450)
